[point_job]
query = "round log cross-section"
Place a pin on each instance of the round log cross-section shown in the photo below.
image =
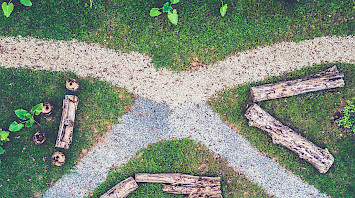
(47, 108)
(72, 85)
(39, 138)
(58, 158)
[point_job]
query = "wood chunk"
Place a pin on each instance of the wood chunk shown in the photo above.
(320, 158)
(122, 189)
(327, 79)
(177, 178)
(192, 189)
(72, 85)
(58, 158)
(47, 108)
(66, 126)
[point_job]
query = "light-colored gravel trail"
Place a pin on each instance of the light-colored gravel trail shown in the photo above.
(134, 71)
(178, 92)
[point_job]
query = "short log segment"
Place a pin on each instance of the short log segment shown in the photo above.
(211, 191)
(320, 158)
(177, 178)
(196, 186)
(122, 189)
(327, 79)
(66, 126)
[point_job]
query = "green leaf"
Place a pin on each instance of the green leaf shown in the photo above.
(2, 151)
(15, 126)
(7, 9)
(4, 135)
(26, 2)
(29, 122)
(155, 12)
(166, 7)
(174, 1)
(22, 114)
(223, 10)
(173, 17)
(37, 109)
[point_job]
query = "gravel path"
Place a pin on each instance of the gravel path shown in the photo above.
(165, 91)
(134, 71)
(151, 122)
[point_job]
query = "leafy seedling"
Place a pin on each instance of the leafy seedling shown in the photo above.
(7, 8)
(172, 16)
(27, 117)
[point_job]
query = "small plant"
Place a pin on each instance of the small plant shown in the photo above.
(348, 121)
(28, 117)
(223, 9)
(172, 15)
(4, 137)
(96, 3)
(7, 8)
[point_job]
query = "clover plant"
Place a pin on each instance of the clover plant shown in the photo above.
(348, 121)
(27, 117)
(7, 8)
(4, 137)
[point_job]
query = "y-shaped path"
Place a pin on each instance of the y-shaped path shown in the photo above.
(175, 103)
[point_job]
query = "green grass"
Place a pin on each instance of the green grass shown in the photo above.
(26, 168)
(201, 36)
(179, 156)
(312, 115)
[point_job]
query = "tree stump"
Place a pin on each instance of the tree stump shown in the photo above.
(47, 108)
(122, 189)
(72, 85)
(66, 126)
(320, 158)
(39, 138)
(58, 158)
(327, 79)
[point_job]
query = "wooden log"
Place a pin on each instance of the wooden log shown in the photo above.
(122, 189)
(320, 158)
(327, 79)
(58, 158)
(72, 85)
(177, 178)
(211, 191)
(66, 126)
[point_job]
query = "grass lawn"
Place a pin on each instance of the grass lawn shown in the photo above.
(312, 115)
(202, 35)
(26, 169)
(180, 156)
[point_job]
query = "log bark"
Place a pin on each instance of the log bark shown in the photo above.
(192, 190)
(122, 189)
(320, 158)
(177, 178)
(66, 126)
(327, 79)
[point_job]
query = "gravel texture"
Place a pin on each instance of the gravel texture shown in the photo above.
(178, 100)
(135, 72)
(151, 122)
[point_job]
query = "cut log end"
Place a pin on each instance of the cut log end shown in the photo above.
(72, 85)
(58, 158)
(39, 138)
(47, 108)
